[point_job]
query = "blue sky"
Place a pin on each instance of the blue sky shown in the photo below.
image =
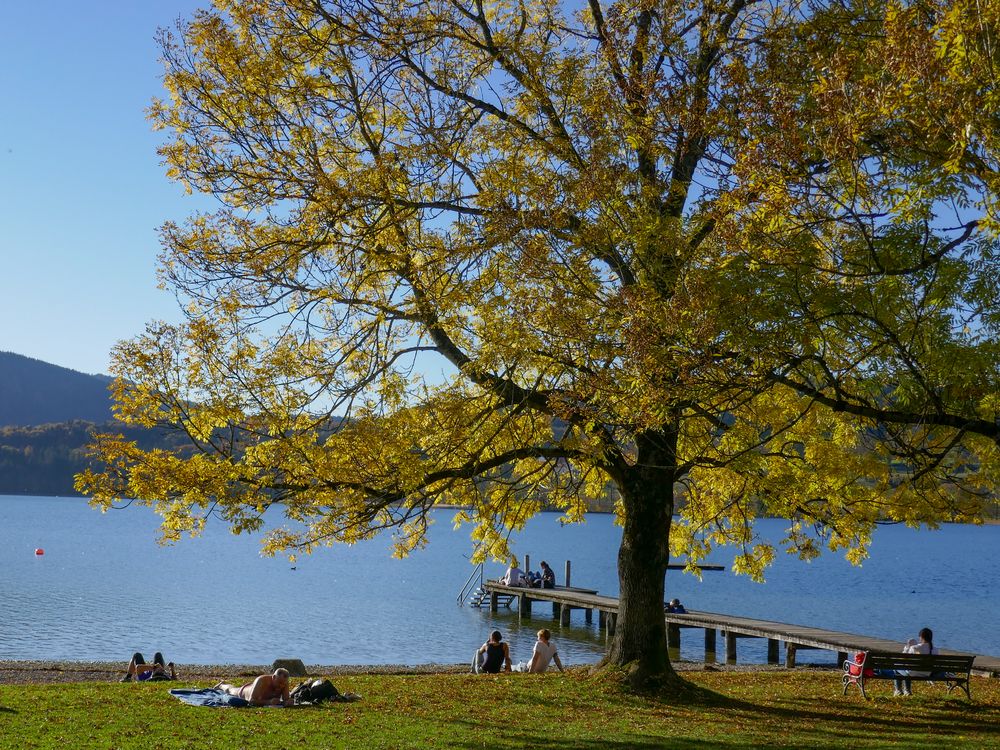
(82, 191)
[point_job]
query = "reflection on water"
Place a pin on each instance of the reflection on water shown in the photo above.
(104, 589)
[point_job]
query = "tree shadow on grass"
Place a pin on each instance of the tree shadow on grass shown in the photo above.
(5, 710)
(853, 722)
(521, 738)
(815, 718)
(842, 721)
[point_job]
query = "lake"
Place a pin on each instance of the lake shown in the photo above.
(104, 589)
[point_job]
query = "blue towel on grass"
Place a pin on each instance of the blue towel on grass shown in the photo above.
(209, 697)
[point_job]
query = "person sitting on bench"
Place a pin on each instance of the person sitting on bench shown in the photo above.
(923, 646)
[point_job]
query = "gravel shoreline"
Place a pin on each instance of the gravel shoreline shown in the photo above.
(14, 672)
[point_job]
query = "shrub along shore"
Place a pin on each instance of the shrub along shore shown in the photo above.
(404, 707)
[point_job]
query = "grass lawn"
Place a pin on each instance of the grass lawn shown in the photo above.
(549, 712)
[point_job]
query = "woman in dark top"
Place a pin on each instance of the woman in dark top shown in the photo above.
(548, 576)
(492, 655)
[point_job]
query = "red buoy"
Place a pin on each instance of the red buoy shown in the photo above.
(39, 551)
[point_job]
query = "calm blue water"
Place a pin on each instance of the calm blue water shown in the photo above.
(104, 589)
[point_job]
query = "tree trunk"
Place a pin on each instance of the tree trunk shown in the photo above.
(640, 640)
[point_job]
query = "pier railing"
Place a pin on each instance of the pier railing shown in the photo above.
(475, 582)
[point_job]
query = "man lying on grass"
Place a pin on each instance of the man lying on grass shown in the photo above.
(266, 690)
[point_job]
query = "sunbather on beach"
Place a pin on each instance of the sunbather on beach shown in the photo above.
(543, 655)
(266, 690)
(492, 656)
(140, 671)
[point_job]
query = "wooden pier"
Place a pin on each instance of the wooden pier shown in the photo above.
(794, 637)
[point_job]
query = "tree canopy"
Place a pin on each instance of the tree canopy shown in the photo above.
(723, 258)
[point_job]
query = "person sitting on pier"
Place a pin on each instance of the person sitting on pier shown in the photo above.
(492, 656)
(543, 655)
(266, 690)
(514, 575)
(548, 576)
(140, 671)
(675, 608)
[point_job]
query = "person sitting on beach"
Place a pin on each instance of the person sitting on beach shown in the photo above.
(140, 671)
(266, 690)
(548, 576)
(543, 655)
(675, 608)
(492, 655)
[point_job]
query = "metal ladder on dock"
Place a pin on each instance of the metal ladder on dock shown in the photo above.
(475, 595)
(473, 592)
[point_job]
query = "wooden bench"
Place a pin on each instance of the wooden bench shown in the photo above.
(951, 669)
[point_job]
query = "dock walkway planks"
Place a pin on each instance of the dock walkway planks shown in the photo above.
(795, 637)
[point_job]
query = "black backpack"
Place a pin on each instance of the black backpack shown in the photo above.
(312, 692)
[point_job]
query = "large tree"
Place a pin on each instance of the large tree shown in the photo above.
(718, 257)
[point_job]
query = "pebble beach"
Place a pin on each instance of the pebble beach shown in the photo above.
(55, 672)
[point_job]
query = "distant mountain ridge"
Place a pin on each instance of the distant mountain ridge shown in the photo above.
(33, 392)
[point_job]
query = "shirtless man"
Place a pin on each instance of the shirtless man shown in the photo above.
(266, 690)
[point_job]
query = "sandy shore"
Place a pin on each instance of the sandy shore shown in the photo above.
(54, 672)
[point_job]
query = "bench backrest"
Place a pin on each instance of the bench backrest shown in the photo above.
(920, 662)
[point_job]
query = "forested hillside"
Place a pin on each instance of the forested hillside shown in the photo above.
(42, 459)
(33, 392)
(47, 414)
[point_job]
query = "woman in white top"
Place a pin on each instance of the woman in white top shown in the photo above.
(544, 653)
(514, 575)
(924, 646)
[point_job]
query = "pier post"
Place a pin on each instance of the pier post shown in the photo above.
(602, 619)
(789, 655)
(567, 574)
(612, 623)
(673, 636)
(842, 656)
(588, 615)
(730, 647)
(527, 563)
(493, 601)
(523, 607)
(772, 651)
(564, 614)
(709, 644)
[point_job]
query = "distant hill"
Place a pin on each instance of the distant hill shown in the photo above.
(33, 392)
(42, 459)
